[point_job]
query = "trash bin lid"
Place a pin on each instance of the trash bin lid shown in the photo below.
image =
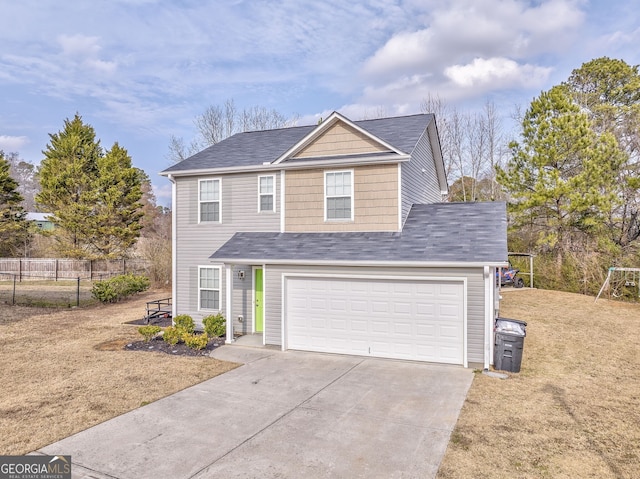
(513, 326)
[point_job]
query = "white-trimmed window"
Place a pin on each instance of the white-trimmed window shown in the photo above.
(209, 288)
(266, 193)
(338, 195)
(209, 201)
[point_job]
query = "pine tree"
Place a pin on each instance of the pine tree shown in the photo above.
(608, 91)
(117, 211)
(13, 225)
(562, 175)
(92, 198)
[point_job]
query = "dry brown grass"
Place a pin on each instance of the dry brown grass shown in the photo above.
(64, 371)
(47, 293)
(574, 409)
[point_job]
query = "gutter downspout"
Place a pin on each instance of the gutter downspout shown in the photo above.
(228, 272)
(488, 315)
(174, 248)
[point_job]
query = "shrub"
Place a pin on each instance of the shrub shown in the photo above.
(149, 331)
(119, 287)
(185, 323)
(214, 325)
(104, 291)
(173, 335)
(196, 341)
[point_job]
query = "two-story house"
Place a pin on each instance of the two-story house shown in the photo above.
(334, 238)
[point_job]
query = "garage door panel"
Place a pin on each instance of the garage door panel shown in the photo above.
(448, 332)
(359, 325)
(379, 307)
(314, 303)
(449, 311)
(404, 319)
(380, 326)
(358, 287)
(318, 323)
(358, 306)
(339, 324)
(402, 308)
(402, 328)
(447, 290)
(379, 287)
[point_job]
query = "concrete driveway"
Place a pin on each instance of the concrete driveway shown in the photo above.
(284, 415)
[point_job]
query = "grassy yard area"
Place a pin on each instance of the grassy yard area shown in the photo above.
(47, 293)
(65, 370)
(573, 410)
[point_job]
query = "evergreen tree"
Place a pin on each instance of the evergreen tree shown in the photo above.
(608, 91)
(13, 225)
(562, 174)
(92, 198)
(117, 212)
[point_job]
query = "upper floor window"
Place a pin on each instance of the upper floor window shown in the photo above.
(209, 287)
(338, 195)
(266, 193)
(209, 201)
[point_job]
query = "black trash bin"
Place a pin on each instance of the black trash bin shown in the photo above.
(507, 354)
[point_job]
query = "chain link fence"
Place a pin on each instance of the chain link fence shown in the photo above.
(61, 283)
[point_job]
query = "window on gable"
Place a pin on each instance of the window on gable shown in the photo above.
(209, 201)
(266, 193)
(209, 287)
(339, 195)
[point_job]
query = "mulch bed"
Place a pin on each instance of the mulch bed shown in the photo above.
(180, 349)
(157, 344)
(162, 322)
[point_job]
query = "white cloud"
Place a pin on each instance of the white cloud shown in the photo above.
(11, 144)
(102, 66)
(469, 47)
(497, 73)
(79, 45)
(145, 68)
(84, 51)
(162, 193)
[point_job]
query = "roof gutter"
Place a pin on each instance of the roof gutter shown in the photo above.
(294, 165)
(397, 264)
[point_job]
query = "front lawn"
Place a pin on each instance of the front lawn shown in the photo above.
(66, 370)
(573, 410)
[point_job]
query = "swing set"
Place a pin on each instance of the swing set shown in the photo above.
(621, 283)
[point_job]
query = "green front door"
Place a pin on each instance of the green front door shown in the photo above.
(259, 306)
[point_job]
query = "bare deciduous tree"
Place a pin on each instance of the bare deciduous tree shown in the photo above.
(218, 122)
(472, 145)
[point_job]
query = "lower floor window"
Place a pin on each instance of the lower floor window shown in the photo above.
(209, 287)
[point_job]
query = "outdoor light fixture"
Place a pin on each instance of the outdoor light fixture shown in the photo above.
(241, 274)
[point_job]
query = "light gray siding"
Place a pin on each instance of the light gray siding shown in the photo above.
(195, 242)
(419, 177)
(475, 297)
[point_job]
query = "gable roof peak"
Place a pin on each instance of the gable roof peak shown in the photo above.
(324, 126)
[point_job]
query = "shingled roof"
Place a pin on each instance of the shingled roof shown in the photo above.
(258, 147)
(433, 233)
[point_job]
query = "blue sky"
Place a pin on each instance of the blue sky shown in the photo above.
(140, 71)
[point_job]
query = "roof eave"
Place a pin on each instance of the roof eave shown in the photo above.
(398, 264)
(436, 148)
(365, 160)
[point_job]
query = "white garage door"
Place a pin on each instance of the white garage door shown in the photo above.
(417, 320)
